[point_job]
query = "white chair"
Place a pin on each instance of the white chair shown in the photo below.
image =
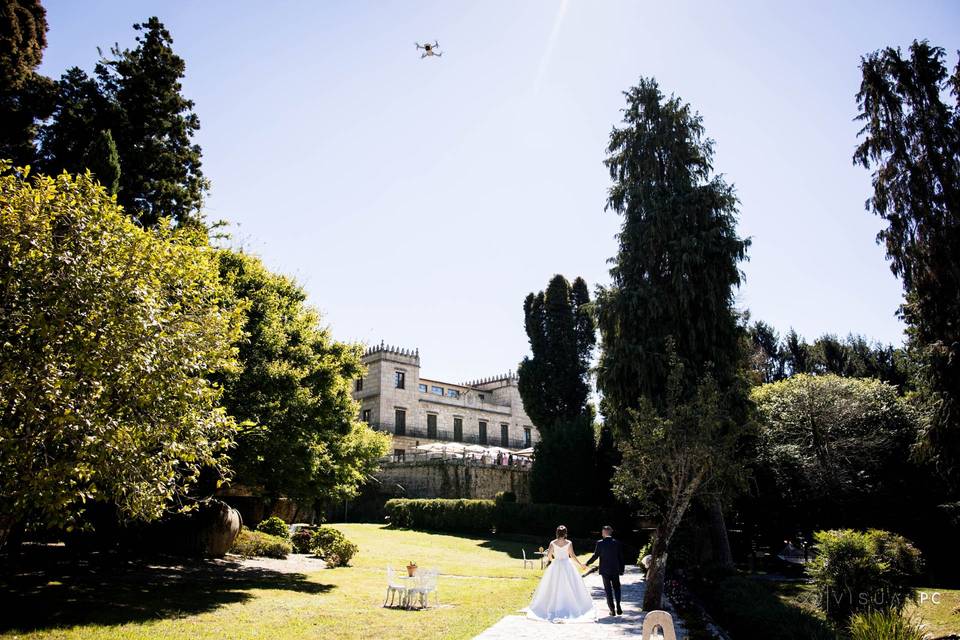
(426, 584)
(660, 619)
(526, 561)
(393, 588)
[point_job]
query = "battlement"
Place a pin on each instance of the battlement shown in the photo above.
(508, 378)
(386, 349)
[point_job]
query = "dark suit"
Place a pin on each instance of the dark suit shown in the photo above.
(610, 552)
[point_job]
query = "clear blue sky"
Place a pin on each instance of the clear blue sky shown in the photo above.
(418, 201)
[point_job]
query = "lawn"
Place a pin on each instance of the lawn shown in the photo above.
(481, 581)
(939, 610)
(761, 607)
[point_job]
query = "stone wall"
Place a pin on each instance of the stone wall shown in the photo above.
(451, 479)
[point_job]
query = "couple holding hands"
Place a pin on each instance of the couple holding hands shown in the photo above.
(562, 596)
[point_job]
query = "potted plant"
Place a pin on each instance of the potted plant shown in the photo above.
(412, 569)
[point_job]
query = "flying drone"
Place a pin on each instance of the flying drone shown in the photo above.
(429, 49)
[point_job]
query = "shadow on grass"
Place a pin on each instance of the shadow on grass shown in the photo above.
(751, 609)
(50, 587)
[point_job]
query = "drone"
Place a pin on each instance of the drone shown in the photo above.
(429, 49)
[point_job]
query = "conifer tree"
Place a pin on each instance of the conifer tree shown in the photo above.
(911, 140)
(671, 342)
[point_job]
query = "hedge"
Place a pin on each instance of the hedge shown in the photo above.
(483, 516)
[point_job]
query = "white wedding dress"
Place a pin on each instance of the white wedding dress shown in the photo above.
(561, 595)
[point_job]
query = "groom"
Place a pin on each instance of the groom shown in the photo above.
(611, 566)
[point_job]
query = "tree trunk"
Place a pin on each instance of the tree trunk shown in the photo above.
(718, 527)
(657, 573)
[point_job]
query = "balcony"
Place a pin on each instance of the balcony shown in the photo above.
(441, 435)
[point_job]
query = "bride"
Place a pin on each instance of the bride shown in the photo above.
(561, 595)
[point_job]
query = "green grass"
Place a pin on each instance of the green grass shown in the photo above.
(941, 618)
(753, 607)
(481, 581)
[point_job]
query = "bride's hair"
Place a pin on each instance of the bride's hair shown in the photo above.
(562, 532)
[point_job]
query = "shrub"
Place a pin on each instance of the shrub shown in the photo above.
(302, 539)
(331, 545)
(258, 544)
(857, 571)
(275, 526)
(482, 516)
(505, 496)
(888, 625)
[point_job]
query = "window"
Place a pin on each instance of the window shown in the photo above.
(453, 393)
(458, 429)
(431, 425)
(400, 422)
(399, 455)
(436, 390)
(482, 437)
(358, 385)
(422, 387)
(527, 440)
(365, 415)
(504, 434)
(400, 378)
(481, 396)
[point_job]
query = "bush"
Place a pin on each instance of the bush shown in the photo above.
(482, 516)
(331, 545)
(258, 544)
(302, 539)
(275, 526)
(857, 571)
(888, 625)
(505, 496)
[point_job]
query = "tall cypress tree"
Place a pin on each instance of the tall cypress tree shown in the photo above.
(911, 139)
(669, 331)
(554, 385)
(103, 161)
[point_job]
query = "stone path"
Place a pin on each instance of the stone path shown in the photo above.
(629, 625)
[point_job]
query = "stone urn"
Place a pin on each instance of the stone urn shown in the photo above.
(207, 532)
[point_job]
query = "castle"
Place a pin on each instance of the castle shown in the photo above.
(394, 398)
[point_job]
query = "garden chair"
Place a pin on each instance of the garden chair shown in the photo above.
(526, 560)
(426, 584)
(393, 588)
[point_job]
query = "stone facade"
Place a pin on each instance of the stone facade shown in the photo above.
(416, 410)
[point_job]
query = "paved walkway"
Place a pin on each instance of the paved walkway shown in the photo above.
(629, 625)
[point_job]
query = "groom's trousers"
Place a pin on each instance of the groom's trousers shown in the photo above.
(611, 587)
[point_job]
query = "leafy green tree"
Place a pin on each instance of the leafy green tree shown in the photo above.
(554, 385)
(677, 451)
(153, 125)
(669, 310)
(25, 95)
(108, 337)
(911, 140)
(833, 444)
(302, 437)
